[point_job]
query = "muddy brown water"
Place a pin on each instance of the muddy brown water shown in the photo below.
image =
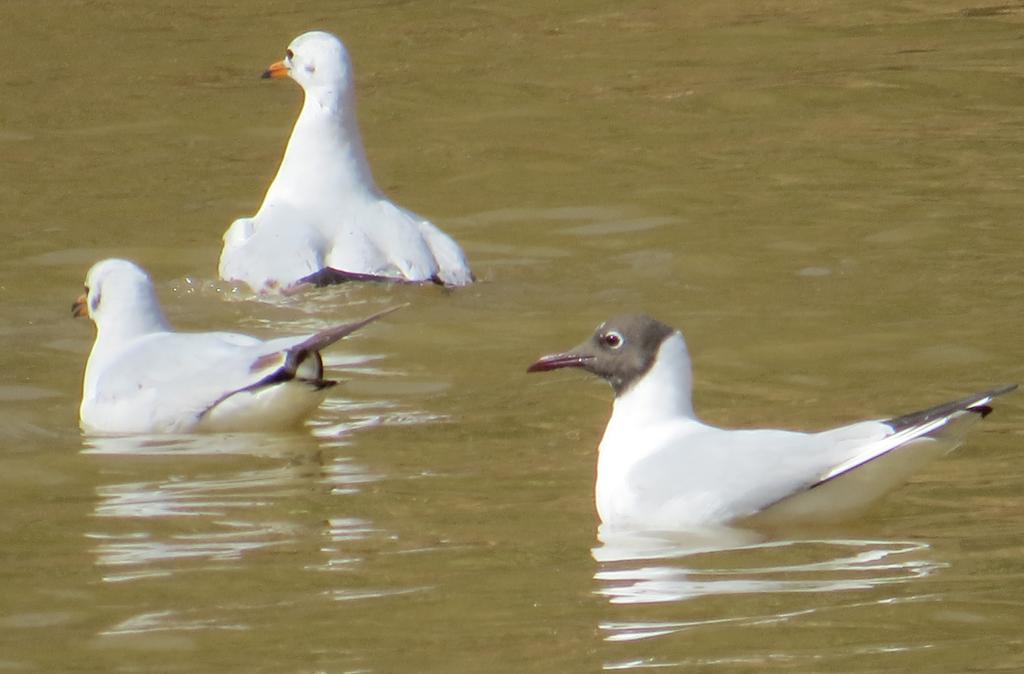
(825, 198)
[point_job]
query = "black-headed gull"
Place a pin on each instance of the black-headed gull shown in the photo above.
(660, 468)
(323, 220)
(142, 377)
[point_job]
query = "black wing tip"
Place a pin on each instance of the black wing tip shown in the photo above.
(322, 384)
(329, 276)
(983, 410)
(1000, 390)
(321, 340)
(977, 403)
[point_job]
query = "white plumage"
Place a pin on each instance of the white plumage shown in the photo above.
(142, 377)
(661, 468)
(323, 219)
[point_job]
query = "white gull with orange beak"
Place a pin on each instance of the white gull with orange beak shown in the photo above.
(142, 377)
(660, 468)
(323, 219)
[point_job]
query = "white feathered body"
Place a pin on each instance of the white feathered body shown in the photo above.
(168, 382)
(660, 468)
(323, 210)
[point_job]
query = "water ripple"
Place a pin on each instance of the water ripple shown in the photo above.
(740, 567)
(165, 621)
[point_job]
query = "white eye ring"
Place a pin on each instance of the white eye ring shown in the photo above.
(613, 339)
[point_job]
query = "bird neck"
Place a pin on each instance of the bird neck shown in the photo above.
(138, 316)
(663, 393)
(325, 154)
(656, 407)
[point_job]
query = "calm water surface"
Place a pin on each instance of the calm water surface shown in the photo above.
(826, 199)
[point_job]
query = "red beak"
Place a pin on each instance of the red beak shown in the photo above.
(558, 360)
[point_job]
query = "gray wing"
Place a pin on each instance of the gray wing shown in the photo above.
(881, 465)
(169, 377)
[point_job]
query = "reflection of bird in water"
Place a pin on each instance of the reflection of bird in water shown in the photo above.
(323, 220)
(142, 377)
(656, 569)
(181, 509)
(659, 467)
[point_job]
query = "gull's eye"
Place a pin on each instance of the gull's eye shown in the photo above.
(612, 340)
(289, 54)
(94, 299)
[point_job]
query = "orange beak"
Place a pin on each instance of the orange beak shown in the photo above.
(275, 71)
(80, 307)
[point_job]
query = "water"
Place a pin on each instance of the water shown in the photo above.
(824, 197)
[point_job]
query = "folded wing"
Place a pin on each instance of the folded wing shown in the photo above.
(174, 381)
(877, 466)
